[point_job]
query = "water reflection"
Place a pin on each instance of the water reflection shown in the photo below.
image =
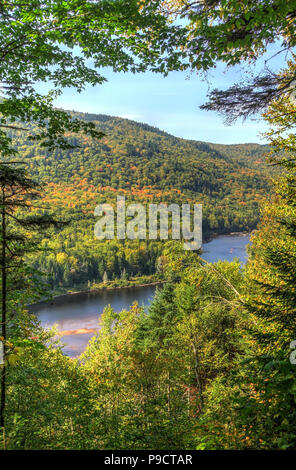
(82, 310)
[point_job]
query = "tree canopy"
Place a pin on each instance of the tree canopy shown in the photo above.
(235, 33)
(209, 365)
(63, 44)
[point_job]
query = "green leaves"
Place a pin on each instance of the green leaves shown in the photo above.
(53, 42)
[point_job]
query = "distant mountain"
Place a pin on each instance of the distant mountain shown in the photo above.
(145, 164)
(161, 160)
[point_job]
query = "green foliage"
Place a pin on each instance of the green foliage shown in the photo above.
(63, 44)
(136, 385)
(208, 366)
(259, 412)
(145, 165)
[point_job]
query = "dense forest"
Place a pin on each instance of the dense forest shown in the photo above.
(145, 165)
(211, 364)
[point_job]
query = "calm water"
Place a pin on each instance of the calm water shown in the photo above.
(226, 248)
(78, 311)
(73, 312)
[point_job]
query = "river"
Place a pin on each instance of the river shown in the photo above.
(79, 313)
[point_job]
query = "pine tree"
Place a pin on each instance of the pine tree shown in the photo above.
(258, 405)
(19, 222)
(272, 289)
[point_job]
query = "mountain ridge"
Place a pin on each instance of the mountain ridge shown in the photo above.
(145, 165)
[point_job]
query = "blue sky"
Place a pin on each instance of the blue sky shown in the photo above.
(169, 103)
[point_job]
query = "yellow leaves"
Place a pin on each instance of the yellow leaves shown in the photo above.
(61, 258)
(12, 359)
(13, 355)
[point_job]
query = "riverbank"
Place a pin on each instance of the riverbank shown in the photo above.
(133, 282)
(115, 285)
(75, 315)
(231, 234)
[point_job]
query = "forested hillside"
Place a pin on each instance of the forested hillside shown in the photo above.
(147, 165)
(211, 364)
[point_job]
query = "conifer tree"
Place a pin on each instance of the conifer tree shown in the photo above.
(18, 237)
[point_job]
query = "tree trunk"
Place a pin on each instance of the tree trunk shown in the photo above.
(3, 319)
(169, 394)
(197, 376)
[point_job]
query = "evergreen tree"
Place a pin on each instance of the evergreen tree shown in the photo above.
(17, 193)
